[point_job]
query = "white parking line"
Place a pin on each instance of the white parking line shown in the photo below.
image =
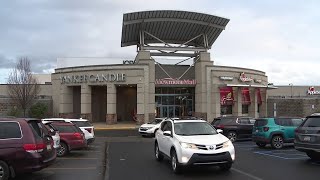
(246, 174)
(280, 157)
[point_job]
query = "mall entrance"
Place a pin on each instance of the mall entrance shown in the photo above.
(174, 101)
(126, 103)
(99, 103)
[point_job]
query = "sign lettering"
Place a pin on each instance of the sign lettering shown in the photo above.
(171, 81)
(244, 78)
(93, 78)
(312, 91)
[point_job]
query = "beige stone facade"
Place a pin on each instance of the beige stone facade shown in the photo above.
(74, 88)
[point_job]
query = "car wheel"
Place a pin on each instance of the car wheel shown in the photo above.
(175, 166)
(226, 167)
(4, 171)
(157, 153)
(314, 156)
(232, 135)
(63, 150)
(260, 144)
(277, 142)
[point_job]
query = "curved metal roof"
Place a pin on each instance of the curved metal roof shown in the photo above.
(174, 27)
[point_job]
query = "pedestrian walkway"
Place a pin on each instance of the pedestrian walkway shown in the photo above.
(118, 126)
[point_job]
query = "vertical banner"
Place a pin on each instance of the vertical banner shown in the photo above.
(226, 96)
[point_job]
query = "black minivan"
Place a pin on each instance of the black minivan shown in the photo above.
(25, 146)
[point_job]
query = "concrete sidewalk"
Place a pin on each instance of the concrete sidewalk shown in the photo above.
(119, 126)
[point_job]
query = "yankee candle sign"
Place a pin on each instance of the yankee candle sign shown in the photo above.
(171, 81)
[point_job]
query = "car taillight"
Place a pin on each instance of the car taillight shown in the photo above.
(33, 148)
(220, 126)
(78, 135)
(265, 129)
(88, 129)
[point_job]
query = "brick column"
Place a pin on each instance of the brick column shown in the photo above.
(237, 107)
(253, 107)
(201, 98)
(86, 102)
(111, 116)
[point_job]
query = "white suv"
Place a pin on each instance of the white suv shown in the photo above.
(83, 124)
(193, 142)
(149, 129)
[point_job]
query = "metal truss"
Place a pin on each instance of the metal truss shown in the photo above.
(167, 49)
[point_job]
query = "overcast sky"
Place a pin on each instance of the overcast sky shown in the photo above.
(278, 37)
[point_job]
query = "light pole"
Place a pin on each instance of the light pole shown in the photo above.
(291, 88)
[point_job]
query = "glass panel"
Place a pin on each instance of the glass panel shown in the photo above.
(164, 111)
(158, 90)
(165, 100)
(170, 90)
(178, 100)
(171, 100)
(171, 112)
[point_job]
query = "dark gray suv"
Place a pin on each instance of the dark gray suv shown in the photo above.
(307, 137)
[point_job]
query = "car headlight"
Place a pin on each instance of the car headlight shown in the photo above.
(227, 144)
(188, 145)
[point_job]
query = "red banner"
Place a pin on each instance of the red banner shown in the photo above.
(226, 96)
(245, 96)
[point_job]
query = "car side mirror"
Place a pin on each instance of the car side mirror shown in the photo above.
(220, 131)
(167, 133)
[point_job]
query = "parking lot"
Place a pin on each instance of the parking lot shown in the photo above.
(126, 155)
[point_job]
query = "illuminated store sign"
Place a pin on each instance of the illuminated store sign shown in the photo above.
(312, 91)
(226, 78)
(244, 78)
(171, 81)
(94, 78)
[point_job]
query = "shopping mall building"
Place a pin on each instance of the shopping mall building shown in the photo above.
(142, 89)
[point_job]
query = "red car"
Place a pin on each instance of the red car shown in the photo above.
(71, 137)
(25, 146)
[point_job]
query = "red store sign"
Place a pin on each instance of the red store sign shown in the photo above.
(171, 81)
(245, 78)
(312, 91)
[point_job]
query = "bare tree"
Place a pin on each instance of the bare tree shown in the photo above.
(22, 86)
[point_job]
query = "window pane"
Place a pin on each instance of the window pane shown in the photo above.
(9, 130)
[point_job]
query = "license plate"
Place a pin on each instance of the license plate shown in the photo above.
(49, 148)
(307, 138)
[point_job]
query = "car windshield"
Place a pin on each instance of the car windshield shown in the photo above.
(193, 129)
(156, 121)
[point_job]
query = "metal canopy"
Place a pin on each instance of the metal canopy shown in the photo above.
(171, 27)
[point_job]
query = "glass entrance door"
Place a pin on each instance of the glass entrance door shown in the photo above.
(170, 111)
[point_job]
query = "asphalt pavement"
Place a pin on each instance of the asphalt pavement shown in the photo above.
(124, 155)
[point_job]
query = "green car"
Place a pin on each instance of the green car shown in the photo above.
(275, 131)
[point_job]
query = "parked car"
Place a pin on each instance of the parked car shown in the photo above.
(234, 127)
(275, 131)
(85, 126)
(149, 129)
(307, 137)
(71, 137)
(192, 142)
(54, 134)
(25, 147)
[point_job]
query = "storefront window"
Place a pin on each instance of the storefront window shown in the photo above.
(245, 109)
(226, 109)
(226, 100)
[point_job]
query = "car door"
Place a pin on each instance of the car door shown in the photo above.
(245, 127)
(160, 136)
(287, 128)
(167, 140)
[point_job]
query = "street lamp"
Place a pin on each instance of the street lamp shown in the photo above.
(291, 88)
